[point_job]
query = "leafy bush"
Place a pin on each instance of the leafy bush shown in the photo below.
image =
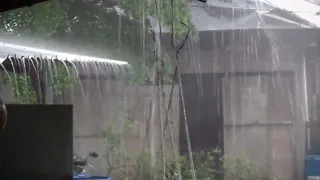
(240, 168)
(212, 165)
(22, 88)
(61, 78)
(208, 165)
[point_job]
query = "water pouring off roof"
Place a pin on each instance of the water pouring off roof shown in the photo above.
(13, 49)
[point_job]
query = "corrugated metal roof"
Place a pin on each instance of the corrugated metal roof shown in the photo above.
(240, 4)
(7, 49)
(302, 8)
(245, 14)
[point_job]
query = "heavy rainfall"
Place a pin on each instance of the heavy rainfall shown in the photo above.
(163, 89)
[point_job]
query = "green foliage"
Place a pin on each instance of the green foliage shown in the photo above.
(143, 169)
(114, 151)
(114, 139)
(166, 12)
(98, 22)
(209, 165)
(61, 78)
(44, 18)
(55, 18)
(142, 73)
(174, 169)
(240, 168)
(204, 163)
(21, 87)
(236, 169)
(112, 34)
(206, 167)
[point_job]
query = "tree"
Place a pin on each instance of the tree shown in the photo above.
(120, 26)
(118, 29)
(112, 26)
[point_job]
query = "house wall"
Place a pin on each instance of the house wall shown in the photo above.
(98, 105)
(95, 102)
(269, 51)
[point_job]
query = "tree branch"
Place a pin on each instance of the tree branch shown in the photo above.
(111, 167)
(177, 48)
(185, 38)
(170, 99)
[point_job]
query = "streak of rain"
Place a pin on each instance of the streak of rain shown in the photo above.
(229, 99)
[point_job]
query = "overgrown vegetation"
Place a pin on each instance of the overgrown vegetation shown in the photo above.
(123, 36)
(117, 29)
(212, 165)
(59, 79)
(209, 165)
(22, 88)
(115, 134)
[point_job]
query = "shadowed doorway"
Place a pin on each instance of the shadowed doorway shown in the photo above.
(203, 104)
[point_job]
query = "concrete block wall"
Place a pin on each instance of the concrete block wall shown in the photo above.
(97, 105)
(285, 53)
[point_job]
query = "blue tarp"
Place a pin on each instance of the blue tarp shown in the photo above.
(312, 166)
(90, 177)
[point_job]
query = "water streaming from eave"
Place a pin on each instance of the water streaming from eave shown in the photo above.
(243, 78)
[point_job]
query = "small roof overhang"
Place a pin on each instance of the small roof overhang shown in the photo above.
(7, 49)
(15, 4)
(216, 15)
(86, 66)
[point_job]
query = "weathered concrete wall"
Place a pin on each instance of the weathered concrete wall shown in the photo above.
(98, 104)
(256, 51)
(299, 116)
(244, 51)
